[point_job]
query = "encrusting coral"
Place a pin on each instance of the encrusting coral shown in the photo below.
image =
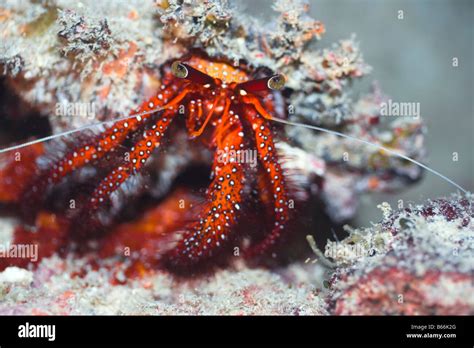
(418, 260)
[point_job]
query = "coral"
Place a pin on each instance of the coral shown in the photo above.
(418, 260)
(52, 290)
(84, 42)
(84, 52)
(406, 264)
(353, 168)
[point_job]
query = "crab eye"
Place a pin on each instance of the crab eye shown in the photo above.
(179, 70)
(276, 82)
(184, 71)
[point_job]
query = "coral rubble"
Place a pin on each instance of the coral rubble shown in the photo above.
(418, 260)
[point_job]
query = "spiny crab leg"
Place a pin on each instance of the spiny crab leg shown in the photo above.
(221, 211)
(138, 155)
(268, 157)
(96, 148)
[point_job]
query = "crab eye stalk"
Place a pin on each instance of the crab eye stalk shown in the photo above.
(274, 83)
(179, 70)
(184, 71)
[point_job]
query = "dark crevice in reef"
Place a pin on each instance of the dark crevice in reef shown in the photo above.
(18, 120)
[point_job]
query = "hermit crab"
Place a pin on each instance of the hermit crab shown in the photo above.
(224, 106)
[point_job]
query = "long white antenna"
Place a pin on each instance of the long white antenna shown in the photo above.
(62, 134)
(381, 147)
(296, 124)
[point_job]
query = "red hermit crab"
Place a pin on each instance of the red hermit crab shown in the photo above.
(223, 106)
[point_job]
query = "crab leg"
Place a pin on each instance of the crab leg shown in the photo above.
(96, 147)
(213, 230)
(138, 155)
(269, 160)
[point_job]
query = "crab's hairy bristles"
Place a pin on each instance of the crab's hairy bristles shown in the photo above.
(89, 219)
(92, 149)
(297, 180)
(138, 155)
(269, 160)
(81, 152)
(218, 219)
